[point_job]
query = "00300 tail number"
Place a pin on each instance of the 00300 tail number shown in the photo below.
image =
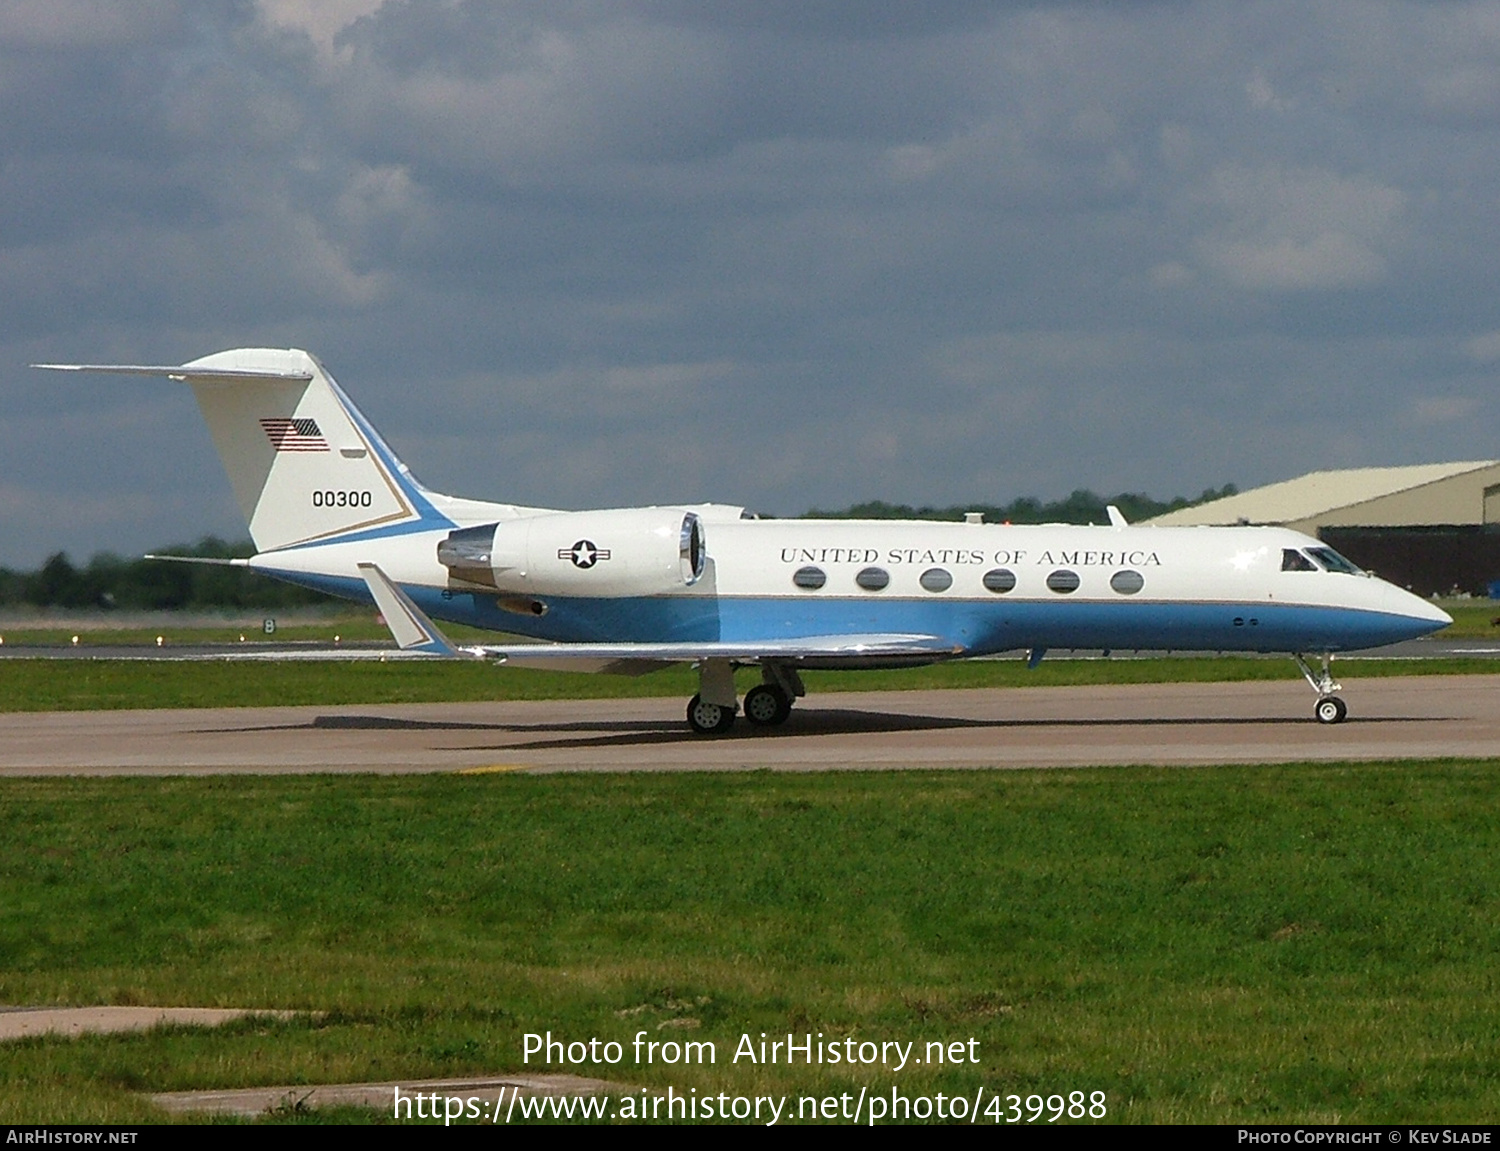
(341, 499)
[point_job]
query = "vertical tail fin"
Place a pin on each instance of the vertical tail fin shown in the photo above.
(305, 465)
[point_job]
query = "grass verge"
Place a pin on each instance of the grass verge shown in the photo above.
(90, 685)
(1305, 943)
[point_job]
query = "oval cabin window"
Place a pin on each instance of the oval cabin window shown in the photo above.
(936, 579)
(1063, 581)
(1000, 580)
(1127, 582)
(873, 579)
(810, 578)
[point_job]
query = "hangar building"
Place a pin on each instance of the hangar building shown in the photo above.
(1433, 528)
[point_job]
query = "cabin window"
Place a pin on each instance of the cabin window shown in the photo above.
(1333, 561)
(873, 579)
(1000, 580)
(936, 579)
(1294, 561)
(1127, 582)
(810, 578)
(1063, 581)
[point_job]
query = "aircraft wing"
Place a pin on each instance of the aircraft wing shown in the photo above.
(614, 658)
(634, 658)
(416, 634)
(417, 637)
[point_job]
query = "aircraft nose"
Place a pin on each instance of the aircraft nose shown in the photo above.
(1417, 609)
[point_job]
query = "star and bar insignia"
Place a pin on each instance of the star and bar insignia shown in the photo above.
(583, 554)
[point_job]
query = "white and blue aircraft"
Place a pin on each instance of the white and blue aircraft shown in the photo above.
(626, 590)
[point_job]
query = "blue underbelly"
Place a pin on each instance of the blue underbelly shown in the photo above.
(980, 626)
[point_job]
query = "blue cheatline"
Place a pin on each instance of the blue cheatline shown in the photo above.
(980, 627)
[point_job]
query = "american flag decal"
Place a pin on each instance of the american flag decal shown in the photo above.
(289, 435)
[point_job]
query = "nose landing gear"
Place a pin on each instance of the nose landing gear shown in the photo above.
(1329, 708)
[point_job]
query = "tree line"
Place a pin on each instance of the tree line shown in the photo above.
(1082, 507)
(110, 581)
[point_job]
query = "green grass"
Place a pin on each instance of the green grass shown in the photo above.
(1304, 943)
(88, 685)
(1472, 618)
(350, 628)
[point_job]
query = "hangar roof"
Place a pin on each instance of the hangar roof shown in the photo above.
(1309, 497)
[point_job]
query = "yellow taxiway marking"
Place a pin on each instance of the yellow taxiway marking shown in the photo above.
(492, 769)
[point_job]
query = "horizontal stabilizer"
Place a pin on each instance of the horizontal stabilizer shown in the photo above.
(180, 373)
(214, 560)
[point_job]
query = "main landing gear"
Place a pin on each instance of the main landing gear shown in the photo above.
(709, 718)
(712, 710)
(1329, 708)
(767, 705)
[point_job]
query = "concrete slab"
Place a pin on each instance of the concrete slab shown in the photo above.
(490, 1092)
(20, 1022)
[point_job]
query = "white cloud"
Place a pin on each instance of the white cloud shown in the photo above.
(658, 378)
(1172, 274)
(1327, 260)
(1263, 96)
(1483, 349)
(320, 20)
(1300, 229)
(913, 161)
(1443, 409)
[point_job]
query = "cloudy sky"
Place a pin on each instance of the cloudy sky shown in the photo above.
(781, 253)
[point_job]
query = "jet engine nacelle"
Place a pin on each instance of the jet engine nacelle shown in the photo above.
(628, 552)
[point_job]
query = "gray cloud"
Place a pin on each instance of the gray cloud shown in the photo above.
(775, 253)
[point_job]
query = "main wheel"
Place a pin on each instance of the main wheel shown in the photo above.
(1331, 709)
(767, 705)
(708, 718)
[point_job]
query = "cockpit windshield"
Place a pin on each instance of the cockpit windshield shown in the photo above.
(1294, 561)
(1334, 562)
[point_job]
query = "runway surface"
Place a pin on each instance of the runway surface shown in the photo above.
(1416, 717)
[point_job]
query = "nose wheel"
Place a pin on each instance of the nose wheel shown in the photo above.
(1331, 709)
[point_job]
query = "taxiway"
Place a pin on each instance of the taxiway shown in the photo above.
(1169, 724)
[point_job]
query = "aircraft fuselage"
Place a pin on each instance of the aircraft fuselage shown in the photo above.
(988, 587)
